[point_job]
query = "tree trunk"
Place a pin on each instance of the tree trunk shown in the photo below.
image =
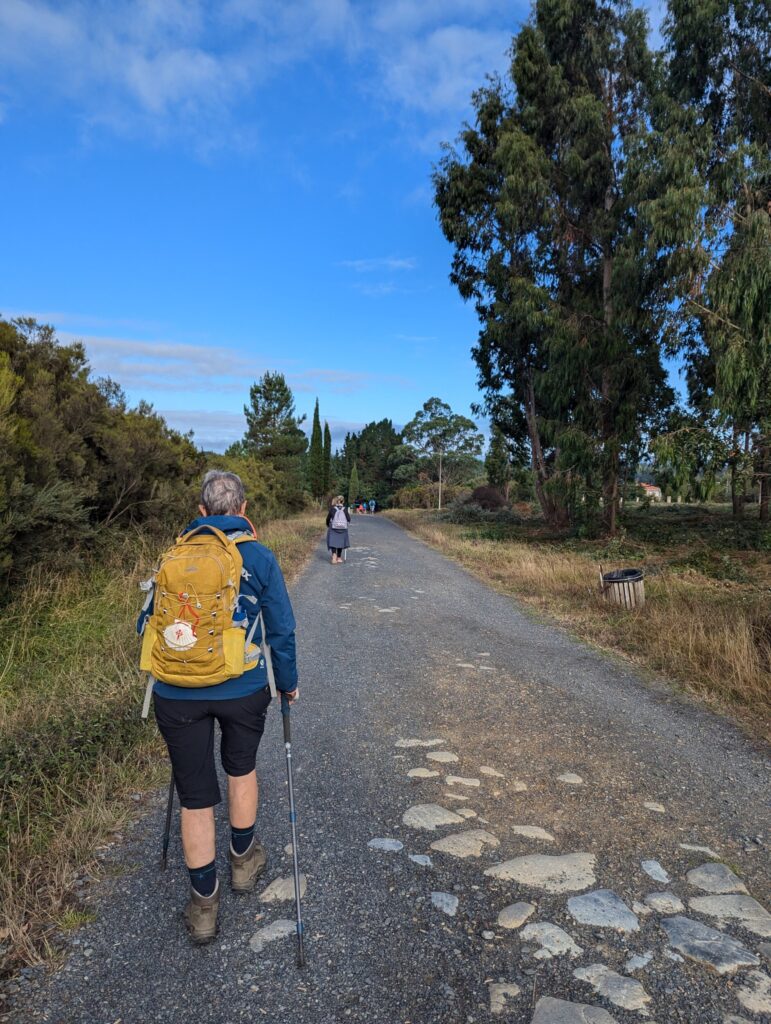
(554, 512)
(440, 478)
(764, 476)
(737, 495)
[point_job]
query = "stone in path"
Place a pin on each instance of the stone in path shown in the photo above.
(553, 940)
(654, 870)
(639, 961)
(640, 909)
(422, 859)
(624, 992)
(466, 812)
(733, 1019)
(276, 930)
(464, 664)
(558, 1011)
(445, 902)
(715, 878)
(465, 844)
(499, 994)
(454, 796)
(459, 780)
(430, 816)
(386, 845)
(651, 805)
(603, 909)
(408, 743)
(755, 995)
(282, 889)
(707, 946)
(518, 787)
(422, 773)
(748, 912)
(486, 668)
(514, 916)
(568, 873)
(533, 832)
(486, 770)
(664, 903)
(700, 849)
(442, 756)
(571, 779)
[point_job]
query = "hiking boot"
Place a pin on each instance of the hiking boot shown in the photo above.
(201, 916)
(246, 868)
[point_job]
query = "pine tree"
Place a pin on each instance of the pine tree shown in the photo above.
(316, 457)
(353, 485)
(274, 435)
(327, 459)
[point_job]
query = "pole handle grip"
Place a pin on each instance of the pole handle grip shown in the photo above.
(285, 713)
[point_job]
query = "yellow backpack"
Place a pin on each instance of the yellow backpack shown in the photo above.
(196, 634)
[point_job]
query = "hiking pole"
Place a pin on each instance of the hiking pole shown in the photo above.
(267, 654)
(285, 710)
(167, 830)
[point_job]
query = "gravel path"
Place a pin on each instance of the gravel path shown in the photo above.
(550, 774)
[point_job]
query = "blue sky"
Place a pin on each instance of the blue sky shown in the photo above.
(202, 191)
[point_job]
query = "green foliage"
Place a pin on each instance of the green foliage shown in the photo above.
(498, 462)
(375, 451)
(273, 436)
(539, 203)
(710, 154)
(448, 442)
(353, 485)
(74, 459)
(316, 457)
(327, 460)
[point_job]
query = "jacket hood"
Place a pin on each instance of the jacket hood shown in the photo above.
(224, 523)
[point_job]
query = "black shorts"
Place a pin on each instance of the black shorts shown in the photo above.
(188, 728)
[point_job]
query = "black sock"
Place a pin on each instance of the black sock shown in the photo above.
(204, 880)
(241, 838)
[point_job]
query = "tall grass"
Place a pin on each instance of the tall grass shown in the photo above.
(73, 748)
(711, 635)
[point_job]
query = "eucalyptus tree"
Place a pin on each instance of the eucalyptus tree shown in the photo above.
(441, 435)
(539, 201)
(710, 214)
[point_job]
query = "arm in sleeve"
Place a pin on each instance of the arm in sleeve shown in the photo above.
(144, 615)
(347, 515)
(329, 517)
(279, 628)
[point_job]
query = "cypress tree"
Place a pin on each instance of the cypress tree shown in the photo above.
(316, 457)
(353, 485)
(327, 472)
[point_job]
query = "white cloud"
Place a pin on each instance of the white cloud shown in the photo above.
(213, 429)
(380, 263)
(165, 68)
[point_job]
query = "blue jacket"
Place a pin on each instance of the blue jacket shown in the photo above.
(266, 583)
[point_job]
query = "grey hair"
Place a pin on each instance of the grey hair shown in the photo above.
(222, 494)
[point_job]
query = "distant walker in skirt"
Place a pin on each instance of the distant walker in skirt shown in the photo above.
(338, 519)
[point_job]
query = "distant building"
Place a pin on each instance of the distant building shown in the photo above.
(651, 491)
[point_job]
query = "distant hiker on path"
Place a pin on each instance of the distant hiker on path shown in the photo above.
(338, 519)
(372, 506)
(202, 633)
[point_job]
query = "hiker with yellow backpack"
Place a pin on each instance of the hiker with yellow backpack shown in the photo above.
(215, 593)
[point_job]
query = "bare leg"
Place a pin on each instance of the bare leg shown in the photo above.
(243, 798)
(197, 828)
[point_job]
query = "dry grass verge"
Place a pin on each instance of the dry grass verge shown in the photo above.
(73, 748)
(711, 635)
